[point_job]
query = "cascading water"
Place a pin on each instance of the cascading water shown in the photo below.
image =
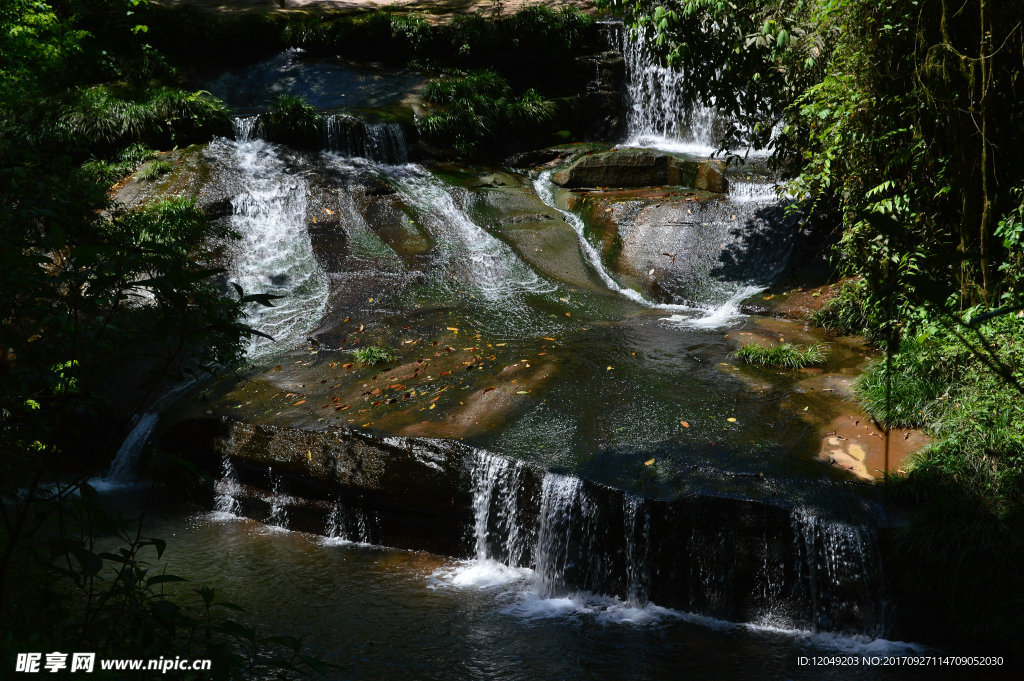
(226, 490)
(662, 113)
(696, 313)
(347, 525)
(274, 254)
(608, 551)
(481, 261)
(279, 503)
(378, 142)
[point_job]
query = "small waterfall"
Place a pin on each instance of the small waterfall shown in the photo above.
(125, 460)
(246, 128)
(226, 490)
(386, 143)
(696, 314)
(764, 565)
(475, 257)
(498, 528)
(346, 524)
(639, 565)
(378, 142)
(279, 503)
(662, 112)
(833, 562)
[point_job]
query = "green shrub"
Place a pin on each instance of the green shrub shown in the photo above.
(920, 374)
(292, 120)
(373, 355)
(782, 356)
(847, 313)
(478, 107)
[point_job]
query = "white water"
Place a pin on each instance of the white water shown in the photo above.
(122, 467)
(698, 316)
(480, 261)
(274, 254)
(662, 115)
(567, 538)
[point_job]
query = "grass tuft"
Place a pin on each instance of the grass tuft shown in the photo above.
(373, 355)
(154, 169)
(782, 356)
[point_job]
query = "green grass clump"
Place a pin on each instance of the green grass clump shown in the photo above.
(154, 169)
(292, 120)
(782, 356)
(373, 355)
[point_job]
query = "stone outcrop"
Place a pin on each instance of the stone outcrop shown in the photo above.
(629, 168)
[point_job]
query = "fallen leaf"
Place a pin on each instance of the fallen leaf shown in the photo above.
(731, 420)
(299, 402)
(608, 369)
(432, 406)
(522, 392)
(648, 462)
(454, 329)
(684, 424)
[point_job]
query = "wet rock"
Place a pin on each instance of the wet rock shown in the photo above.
(626, 168)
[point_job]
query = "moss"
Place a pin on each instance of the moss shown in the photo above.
(782, 356)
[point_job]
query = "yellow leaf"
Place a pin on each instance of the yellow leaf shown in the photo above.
(608, 369)
(648, 462)
(454, 329)
(731, 420)
(433, 405)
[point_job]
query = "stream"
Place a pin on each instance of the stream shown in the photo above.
(610, 435)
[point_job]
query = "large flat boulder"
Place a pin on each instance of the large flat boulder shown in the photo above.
(629, 168)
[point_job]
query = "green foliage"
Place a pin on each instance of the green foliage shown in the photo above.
(151, 170)
(479, 107)
(781, 356)
(847, 313)
(103, 118)
(292, 120)
(967, 488)
(373, 355)
(535, 41)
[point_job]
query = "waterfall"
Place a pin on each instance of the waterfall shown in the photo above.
(279, 503)
(226, 490)
(274, 254)
(697, 314)
(639, 566)
(475, 257)
(125, 460)
(346, 524)
(662, 113)
(600, 548)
